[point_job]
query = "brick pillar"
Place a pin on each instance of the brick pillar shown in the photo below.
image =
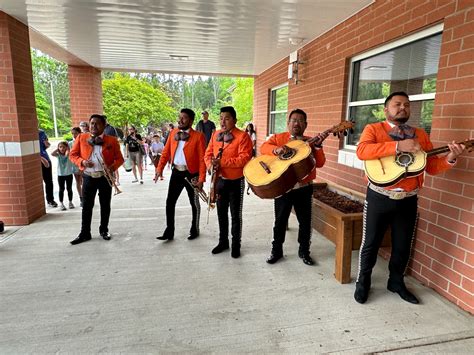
(85, 88)
(21, 184)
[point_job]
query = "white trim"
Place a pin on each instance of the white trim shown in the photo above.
(279, 86)
(413, 98)
(19, 149)
(400, 42)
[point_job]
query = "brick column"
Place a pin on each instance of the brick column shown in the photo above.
(85, 87)
(21, 184)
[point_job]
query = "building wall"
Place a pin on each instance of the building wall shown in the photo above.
(21, 186)
(85, 87)
(443, 256)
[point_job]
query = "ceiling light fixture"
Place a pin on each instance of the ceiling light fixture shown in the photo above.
(376, 67)
(179, 57)
(295, 41)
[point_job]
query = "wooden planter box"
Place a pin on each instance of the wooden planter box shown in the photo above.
(343, 229)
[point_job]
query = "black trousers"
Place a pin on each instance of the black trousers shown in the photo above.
(177, 183)
(301, 200)
(380, 212)
(90, 186)
(230, 196)
(68, 181)
(48, 182)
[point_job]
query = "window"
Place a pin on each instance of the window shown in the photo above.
(409, 65)
(278, 109)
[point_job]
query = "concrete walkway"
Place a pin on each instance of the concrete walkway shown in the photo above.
(135, 294)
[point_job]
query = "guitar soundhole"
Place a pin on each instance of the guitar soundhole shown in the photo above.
(287, 155)
(404, 159)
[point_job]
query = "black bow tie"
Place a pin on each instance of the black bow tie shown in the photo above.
(95, 141)
(402, 132)
(181, 136)
(225, 137)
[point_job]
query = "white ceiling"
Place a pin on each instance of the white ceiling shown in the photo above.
(233, 37)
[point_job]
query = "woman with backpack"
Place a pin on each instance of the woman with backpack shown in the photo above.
(133, 151)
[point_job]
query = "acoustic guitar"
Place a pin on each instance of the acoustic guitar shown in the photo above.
(387, 171)
(270, 176)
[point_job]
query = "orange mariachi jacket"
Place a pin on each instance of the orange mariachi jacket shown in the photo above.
(82, 150)
(193, 151)
(280, 139)
(376, 143)
(234, 156)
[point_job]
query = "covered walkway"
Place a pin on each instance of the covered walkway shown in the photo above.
(136, 294)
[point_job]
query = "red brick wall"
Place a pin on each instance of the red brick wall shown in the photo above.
(444, 254)
(21, 186)
(85, 88)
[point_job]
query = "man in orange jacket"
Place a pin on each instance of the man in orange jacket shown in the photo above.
(300, 196)
(236, 148)
(396, 205)
(185, 150)
(96, 154)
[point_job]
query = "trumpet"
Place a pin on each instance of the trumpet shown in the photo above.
(200, 192)
(109, 175)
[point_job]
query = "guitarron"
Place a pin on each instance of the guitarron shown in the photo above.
(270, 176)
(387, 171)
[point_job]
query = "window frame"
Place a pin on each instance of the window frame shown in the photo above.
(271, 123)
(384, 48)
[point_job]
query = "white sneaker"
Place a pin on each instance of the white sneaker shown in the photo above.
(62, 207)
(71, 205)
(134, 180)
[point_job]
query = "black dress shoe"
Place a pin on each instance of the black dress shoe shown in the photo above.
(402, 292)
(165, 237)
(81, 239)
(235, 253)
(308, 260)
(361, 293)
(193, 236)
(105, 235)
(274, 257)
(220, 248)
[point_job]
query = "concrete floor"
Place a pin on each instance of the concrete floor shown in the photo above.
(135, 294)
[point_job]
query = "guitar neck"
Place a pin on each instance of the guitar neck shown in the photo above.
(439, 150)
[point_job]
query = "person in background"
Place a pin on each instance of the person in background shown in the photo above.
(253, 137)
(65, 171)
(76, 131)
(132, 150)
(84, 125)
(47, 169)
(146, 149)
(156, 148)
(206, 127)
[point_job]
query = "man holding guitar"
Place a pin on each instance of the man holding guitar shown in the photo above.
(228, 151)
(300, 196)
(394, 205)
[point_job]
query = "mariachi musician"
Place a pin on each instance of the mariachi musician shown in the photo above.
(185, 150)
(300, 196)
(396, 205)
(227, 153)
(97, 155)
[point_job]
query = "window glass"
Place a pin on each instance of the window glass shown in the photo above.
(411, 67)
(278, 110)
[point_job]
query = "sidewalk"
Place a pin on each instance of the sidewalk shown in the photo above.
(135, 294)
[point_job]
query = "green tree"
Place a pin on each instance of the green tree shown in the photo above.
(242, 99)
(42, 112)
(47, 71)
(130, 101)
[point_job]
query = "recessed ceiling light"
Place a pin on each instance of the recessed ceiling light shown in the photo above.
(179, 57)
